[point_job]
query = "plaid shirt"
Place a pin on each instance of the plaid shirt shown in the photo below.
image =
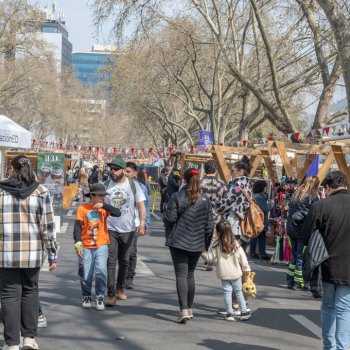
(26, 226)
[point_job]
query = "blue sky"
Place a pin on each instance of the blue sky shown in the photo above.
(79, 23)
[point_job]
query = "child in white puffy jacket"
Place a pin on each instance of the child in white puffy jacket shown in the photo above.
(231, 263)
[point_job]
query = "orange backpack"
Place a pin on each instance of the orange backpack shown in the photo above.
(253, 223)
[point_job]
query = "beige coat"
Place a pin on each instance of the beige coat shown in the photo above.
(229, 266)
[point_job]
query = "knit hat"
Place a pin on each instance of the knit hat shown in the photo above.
(119, 162)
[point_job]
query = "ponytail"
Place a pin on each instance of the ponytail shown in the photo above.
(193, 180)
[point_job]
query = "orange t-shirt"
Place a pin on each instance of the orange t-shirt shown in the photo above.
(94, 230)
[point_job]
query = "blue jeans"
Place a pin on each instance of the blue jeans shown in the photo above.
(335, 316)
(95, 260)
(260, 240)
(235, 286)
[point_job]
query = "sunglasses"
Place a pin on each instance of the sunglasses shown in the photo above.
(114, 168)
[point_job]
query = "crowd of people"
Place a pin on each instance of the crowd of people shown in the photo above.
(203, 217)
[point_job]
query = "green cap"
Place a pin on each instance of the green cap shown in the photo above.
(118, 162)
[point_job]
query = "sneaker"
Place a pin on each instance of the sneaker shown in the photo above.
(86, 303)
(42, 323)
(129, 284)
(121, 294)
(243, 316)
(10, 347)
(111, 301)
(229, 318)
(100, 304)
(30, 344)
(183, 316)
(190, 314)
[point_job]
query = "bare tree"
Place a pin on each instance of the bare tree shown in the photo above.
(338, 15)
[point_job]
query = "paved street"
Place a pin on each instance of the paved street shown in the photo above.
(282, 319)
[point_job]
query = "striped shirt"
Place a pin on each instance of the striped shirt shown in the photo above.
(26, 227)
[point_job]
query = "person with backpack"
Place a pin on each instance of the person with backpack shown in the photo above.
(189, 225)
(93, 178)
(300, 203)
(235, 203)
(139, 177)
(127, 195)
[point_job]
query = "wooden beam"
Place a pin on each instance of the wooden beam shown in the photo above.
(223, 169)
(182, 164)
(255, 162)
(326, 165)
(340, 159)
(281, 147)
(269, 166)
(302, 172)
(236, 150)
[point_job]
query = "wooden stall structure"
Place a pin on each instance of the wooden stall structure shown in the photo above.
(221, 158)
(333, 152)
(340, 146)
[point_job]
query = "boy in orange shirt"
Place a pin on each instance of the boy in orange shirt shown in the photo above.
(91, 244)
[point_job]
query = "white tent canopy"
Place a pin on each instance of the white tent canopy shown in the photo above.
(13, 135)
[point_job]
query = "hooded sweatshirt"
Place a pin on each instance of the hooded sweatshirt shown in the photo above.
(18, 188)
(27, 225)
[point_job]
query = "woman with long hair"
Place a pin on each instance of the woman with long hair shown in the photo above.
(27, 226)
(299, 206)
(189, 225)
(234, 204)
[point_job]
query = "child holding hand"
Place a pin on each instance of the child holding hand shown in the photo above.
(91, 244)
(231, 264)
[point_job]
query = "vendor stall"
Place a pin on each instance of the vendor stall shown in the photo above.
(12, 136)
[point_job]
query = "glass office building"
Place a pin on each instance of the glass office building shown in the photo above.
(90, 67)
(56, 35)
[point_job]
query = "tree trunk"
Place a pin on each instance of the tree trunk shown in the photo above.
(327, 96)
(341, 30)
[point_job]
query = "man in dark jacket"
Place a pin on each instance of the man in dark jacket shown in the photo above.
(174, 183)
(93, 178)
(163, 183)
(214, 188)
(331, 217)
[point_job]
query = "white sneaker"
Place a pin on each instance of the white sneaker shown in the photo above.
(42, 323)
(10, 347)
(243, 316)
(86, 303)
(30, 344)
(100, 304)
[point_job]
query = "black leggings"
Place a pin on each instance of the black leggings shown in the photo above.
(184, 265)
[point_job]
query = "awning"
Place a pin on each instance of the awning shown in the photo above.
(13, 135)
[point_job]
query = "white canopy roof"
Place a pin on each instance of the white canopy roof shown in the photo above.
(13, 135)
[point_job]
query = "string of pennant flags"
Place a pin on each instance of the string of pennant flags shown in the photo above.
(340, 129)
(42, 145)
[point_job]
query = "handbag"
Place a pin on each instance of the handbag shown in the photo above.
(253, 223)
